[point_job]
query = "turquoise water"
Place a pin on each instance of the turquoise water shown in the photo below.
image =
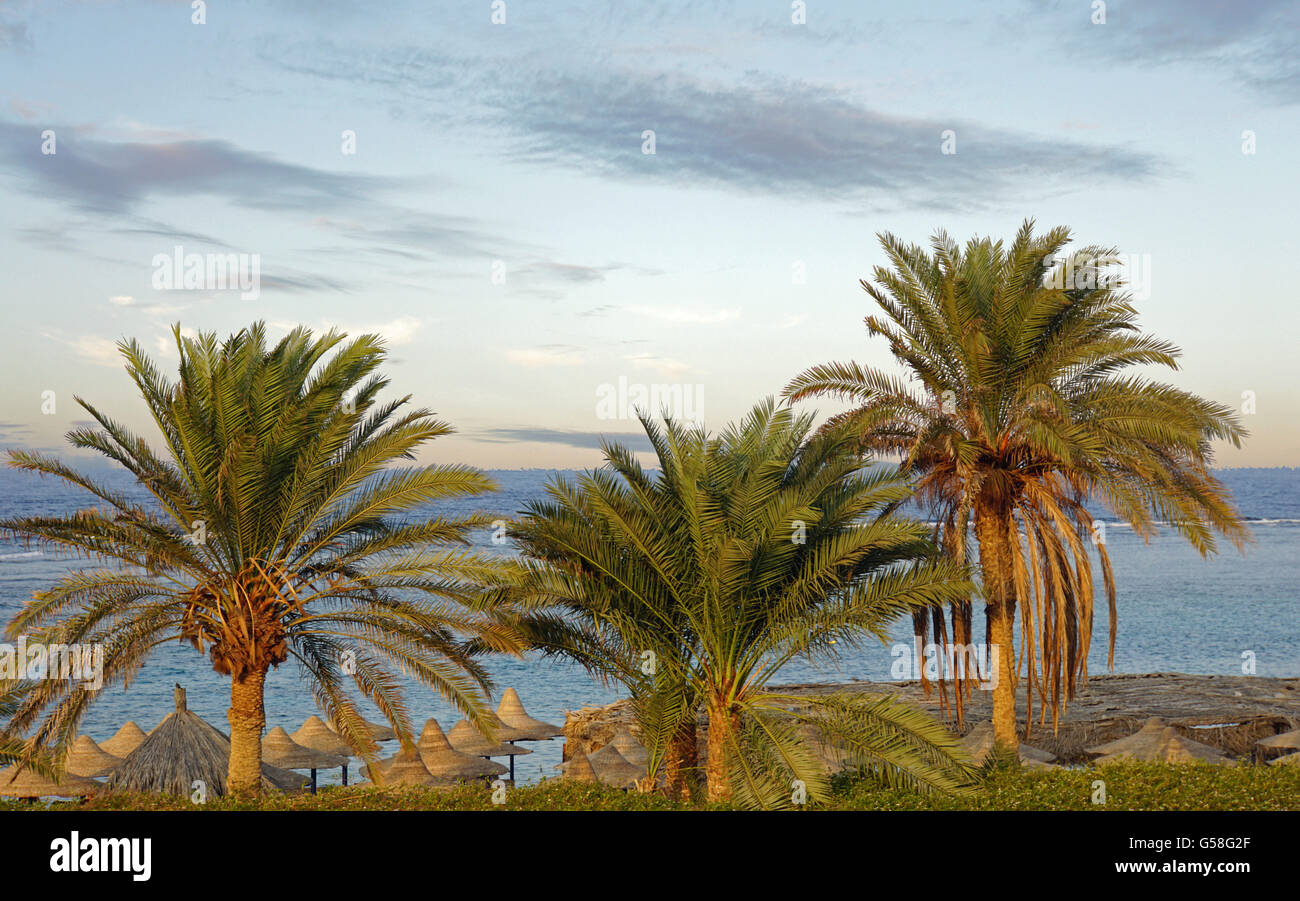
(1176, 612)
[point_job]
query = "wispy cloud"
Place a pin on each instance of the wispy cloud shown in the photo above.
(90, 348)
(546, 355)
(1252, 43)
(751, 132)
(684, 314)
(667, 366)
(115, 177)
(637, 441)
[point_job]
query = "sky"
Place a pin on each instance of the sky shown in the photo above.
(481, 193)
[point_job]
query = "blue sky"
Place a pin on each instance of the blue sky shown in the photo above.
(517, 148)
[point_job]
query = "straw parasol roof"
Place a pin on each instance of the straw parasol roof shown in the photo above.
(1149, 732)
(314, 734)
(1282, 740)
(631, 749)
(1292, 759)
(1167, 746)
(468, 740)
(441, 759)
(29, 784)
(504, 732)
(403, 768)
(89, 760)
(378, 731)
(512, 713)
(979, 743)
(579, 768)
(125, 740)
(278, 749)
(613, 768)
(183, 749)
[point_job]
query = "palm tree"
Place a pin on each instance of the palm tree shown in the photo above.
(743, 552)
(1018, 411)
(276, 530)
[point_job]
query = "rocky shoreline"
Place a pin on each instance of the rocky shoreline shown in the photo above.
(1230, 713)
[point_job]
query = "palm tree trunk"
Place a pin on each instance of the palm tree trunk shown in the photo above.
(993, 531)
(681, 761)
(723, 724)
(247, 717)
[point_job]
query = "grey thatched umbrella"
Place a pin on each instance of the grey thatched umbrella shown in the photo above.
(512, 713)
(378, 731)
(1282, 741)
(314, 734)
(89, 760)
(631, 749)
(185, 749)
(125, 740)
(579, 768)
(468, 740)
(441, 759)
(613, 768)
(278, 749)
(1168, 747)
(1150, 731)
(979, 743)
(403, 768)
(26, 783)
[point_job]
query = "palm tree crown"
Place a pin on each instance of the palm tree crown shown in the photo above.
(275, 531)
(744, 551)
(1019, 408)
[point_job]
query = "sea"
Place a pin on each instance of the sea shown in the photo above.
(1236, 612)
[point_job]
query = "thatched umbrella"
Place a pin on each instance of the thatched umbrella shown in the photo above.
(278, 749)
(26, 783)
(403, 768)
(579, 768)
(314, 734)
(184, 749)
(125, 740)
(1282, 741)
(89, 760)
(378, 731)
(979, 743)
(613, 768)
(468, 740)
(1149, 732)
(631, 749)
(1168, 747)
(1292, 759)
(441, 759)
(512, 713)
(504, 732)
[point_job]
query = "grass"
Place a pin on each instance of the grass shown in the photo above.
(1128, 786)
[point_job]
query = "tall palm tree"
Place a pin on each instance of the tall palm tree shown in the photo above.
(278, 527)
(743, 552)
(1017, 411)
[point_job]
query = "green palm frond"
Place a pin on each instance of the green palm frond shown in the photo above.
(285, 523)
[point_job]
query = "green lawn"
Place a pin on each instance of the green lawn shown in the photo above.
(1128, 786)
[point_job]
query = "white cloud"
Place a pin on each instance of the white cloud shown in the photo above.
(395, 332)
(665, 365)
(92, 349)
(122, 301)
(683, 315)
(793, 320)
(545, 356)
